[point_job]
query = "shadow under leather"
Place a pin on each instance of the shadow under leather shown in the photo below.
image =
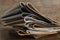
(14, 35)
(10, 34)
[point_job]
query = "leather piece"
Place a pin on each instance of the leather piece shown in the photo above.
(16, 16)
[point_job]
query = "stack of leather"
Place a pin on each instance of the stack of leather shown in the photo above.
(26, 20)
